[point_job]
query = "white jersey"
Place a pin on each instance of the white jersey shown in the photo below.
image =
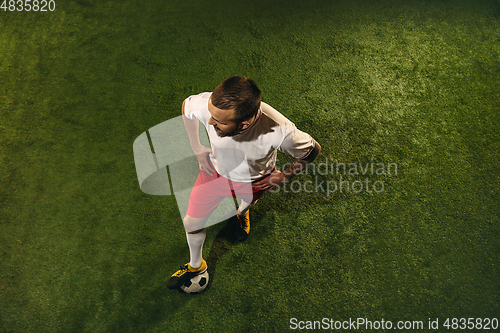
(257, 144)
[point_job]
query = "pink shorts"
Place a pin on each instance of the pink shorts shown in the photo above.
(209, 191)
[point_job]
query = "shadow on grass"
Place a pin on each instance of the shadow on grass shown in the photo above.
(161, 305)
(222, 243)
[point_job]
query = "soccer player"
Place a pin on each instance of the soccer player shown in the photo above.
(245, 134)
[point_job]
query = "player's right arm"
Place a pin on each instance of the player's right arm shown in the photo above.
(201, 152)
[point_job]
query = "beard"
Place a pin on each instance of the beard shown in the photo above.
(222, 134)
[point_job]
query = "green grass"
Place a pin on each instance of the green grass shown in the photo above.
(415, 83)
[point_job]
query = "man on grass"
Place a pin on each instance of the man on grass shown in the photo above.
(241, 128)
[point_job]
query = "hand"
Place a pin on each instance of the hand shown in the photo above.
(202, 153)
(276, 178)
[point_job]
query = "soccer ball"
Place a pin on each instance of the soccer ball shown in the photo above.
(197, 284)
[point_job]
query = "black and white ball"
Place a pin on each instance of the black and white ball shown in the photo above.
(197, 284)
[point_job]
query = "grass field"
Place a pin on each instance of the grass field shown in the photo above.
(414, 83)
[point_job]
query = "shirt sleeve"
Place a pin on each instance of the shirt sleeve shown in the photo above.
(195, 107)
(296, 143)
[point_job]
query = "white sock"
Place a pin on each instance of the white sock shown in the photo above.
(244, 207)
(195, 243)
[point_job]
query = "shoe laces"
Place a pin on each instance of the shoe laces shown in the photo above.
(244, 221)
(182, 270)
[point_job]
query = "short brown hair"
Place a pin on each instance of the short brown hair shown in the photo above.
(239, 93)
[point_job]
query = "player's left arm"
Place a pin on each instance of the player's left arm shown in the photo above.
(296, 167)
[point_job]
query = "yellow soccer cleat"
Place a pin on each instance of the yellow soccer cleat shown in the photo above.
(184, 274)
(244, 226)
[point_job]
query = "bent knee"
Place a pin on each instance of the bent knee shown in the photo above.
(193, 225)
